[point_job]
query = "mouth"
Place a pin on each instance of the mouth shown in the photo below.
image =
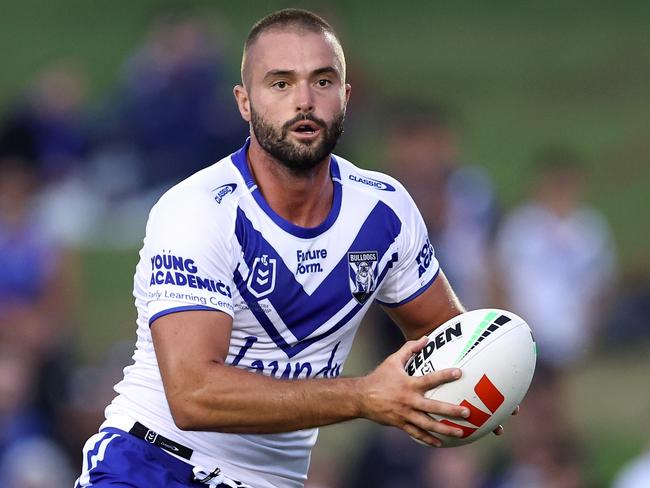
(305, 129)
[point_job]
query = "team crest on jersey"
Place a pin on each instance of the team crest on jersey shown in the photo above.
(261, 279)
(363, 274)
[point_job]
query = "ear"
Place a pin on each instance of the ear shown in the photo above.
(243, 102)
(348, 89)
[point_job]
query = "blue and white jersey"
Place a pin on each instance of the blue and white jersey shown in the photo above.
(296, 295)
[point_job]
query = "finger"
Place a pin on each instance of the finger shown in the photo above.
(422, 435)
(498, 430)
(441, 408)
(431, 380)
(404, 353)
(428, 423)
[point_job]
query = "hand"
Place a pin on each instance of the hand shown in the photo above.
(390, 396)
(499, 429)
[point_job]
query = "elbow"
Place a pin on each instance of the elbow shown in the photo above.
(183, 416)
(185, 412)
(184, 420)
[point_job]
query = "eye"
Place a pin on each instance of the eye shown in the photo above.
(281, 85)
(324, 82)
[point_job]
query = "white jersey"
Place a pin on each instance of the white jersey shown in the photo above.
(296, 295)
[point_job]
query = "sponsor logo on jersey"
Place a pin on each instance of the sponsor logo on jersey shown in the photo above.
(363, 274)
(423, 259)
(308, 261)
(289, 369)
(378, 185)
(261, 279)
(224, 190)
(168, 269)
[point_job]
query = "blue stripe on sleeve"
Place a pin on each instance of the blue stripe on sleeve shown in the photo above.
(187, 308)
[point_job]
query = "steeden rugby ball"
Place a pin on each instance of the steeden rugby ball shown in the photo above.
(496, 353)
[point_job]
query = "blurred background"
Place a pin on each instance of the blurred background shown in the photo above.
(522, 130)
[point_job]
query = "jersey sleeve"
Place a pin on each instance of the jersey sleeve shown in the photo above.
(416, 267)
(188, 257)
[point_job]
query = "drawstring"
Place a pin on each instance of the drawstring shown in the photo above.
(216, 479)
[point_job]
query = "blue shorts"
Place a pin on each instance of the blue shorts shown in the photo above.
(115, 458)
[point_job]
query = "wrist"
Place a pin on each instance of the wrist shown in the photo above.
(359, 394)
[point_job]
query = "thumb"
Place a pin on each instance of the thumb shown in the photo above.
(404, 353)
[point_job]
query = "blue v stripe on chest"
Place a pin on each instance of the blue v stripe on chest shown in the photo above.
(301, 312)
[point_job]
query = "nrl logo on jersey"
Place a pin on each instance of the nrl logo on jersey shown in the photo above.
(261, 279)
(363, 274)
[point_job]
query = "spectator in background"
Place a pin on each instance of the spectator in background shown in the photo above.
(19, 419)
(38, 288)
(49, 128)
(458, 205)
(177, 105)
(545, 448)
(556, 260)
(36, 285)
(456, 200)
(174, 116)
(29, 455)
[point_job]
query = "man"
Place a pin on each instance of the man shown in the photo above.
(249, 266)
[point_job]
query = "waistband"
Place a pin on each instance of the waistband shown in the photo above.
(213, 478)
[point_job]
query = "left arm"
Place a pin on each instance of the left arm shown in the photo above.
(432, 308)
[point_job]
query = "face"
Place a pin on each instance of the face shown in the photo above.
(295, 96)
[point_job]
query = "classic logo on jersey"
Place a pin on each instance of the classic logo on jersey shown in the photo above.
(378, 185)
(222, 191)
(363, 274)
(261, 280)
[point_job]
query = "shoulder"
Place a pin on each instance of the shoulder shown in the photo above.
(379, 186)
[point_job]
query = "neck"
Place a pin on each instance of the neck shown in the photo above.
(303, 198)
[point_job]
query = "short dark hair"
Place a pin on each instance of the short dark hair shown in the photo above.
(287, 18)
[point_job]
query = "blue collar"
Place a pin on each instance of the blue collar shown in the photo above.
(239, 159)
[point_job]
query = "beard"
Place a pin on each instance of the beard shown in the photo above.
(298, 157)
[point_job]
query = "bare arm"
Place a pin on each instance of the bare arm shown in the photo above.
(206, 394)
(434, 307)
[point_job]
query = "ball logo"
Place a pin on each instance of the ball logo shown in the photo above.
(491, 397)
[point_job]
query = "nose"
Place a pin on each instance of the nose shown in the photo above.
(304, 98)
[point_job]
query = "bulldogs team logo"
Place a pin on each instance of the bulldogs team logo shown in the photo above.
(261, 279)
(363, 274)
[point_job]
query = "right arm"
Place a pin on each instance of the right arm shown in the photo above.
(206, 394)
